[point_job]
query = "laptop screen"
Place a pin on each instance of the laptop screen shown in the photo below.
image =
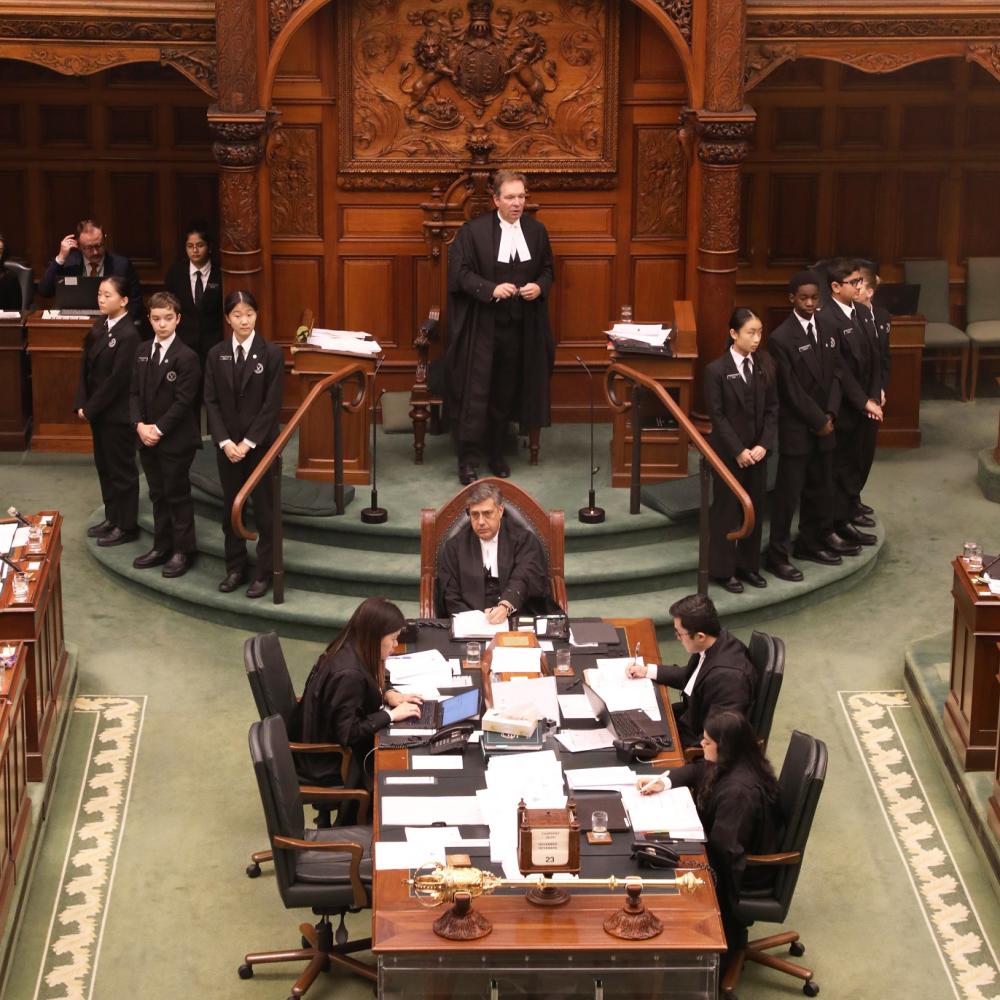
(461, 706)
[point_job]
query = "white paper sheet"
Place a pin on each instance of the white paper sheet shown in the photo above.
(672, 811)
(527, 697)
(343, 341)
(516, 660)
(436, 762)
(579, 740)
(400, 855)
(575, 706)
(410, 779)
(620, 692)
(601, 777)
(428, 668)
(442, 835)
(473, 625)
(411, 810)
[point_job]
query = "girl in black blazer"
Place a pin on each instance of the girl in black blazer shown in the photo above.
(736, 794)
(201, 323)
(742, 398)
(102, 398)
(344, 702)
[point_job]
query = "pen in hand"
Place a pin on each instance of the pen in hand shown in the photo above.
(644, 786)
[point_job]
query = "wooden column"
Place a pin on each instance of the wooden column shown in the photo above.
(239, 124)
(723, 128)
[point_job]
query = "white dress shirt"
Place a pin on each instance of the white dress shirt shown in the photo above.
(738, 360)
(511, 239)
(111, 322)
(490, 555)
(692, 680)
(204, 271)
(164, 346)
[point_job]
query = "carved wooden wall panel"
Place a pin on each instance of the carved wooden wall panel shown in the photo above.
(541, 77)
(892, 165)
(296, 191)
(127, 146)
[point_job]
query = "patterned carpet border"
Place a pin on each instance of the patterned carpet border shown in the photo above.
(72, 950)
(954, 925)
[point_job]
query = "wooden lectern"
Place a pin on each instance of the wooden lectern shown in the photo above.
(312, 364)
(664, 444)
(14, 421)
(54, 346)
(901, 427)
(970, 711)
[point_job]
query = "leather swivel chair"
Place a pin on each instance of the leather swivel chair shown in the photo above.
(23, 274)
(273, 694)
(767, 654)
(769, 880)
(328, 871)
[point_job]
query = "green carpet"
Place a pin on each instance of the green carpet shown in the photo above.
(181, 913)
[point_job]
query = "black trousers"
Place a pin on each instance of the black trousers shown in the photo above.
(505, 391)
(114, 457)
(233, 476)
(725, 515)
(867, 458)
(852, 461)
(804, 482)
(169, 481)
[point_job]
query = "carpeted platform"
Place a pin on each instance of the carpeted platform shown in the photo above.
(634, 565)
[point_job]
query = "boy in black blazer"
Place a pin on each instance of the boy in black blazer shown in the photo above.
(244, 379)
(165, 380)
(102, 399)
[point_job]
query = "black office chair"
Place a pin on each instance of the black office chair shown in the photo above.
(329, 871)
(273, 694)
(23, 274)
(769, 882)
(767, 654)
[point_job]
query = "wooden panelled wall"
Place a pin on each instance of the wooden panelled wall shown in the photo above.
(892, 166)
(129, 146)
(358, 257)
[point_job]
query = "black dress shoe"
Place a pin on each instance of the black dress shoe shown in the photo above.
(467, 474)
(117, 537)
(863, 508)
(749, 576)
(819, 556)
(851, 534)
(177, 565)
(842, 546)
(863, 521)
(500, 468)
(96, 530)
(233, 580)
(783, 570)
(258, 588)
(154, 557)
(731, 584)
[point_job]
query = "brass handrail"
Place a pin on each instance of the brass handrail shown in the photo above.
(708, 454)
(272, 457)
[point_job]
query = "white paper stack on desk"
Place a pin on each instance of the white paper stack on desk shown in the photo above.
(527, 697)
(654, 334)
(343, 341)
(620, 692)
(473, 625)
(516, 660)
(672, 812)
(427, 668)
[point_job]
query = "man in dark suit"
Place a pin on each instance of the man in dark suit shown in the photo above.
(718, 675)
(244, 377)
(165, 380)
(84, 253)
(861, 389)
(196, 280)
(493, 564)
(808, 402)
(500, 348)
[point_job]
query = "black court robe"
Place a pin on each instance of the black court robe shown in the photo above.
(472, 261)
(521, 564)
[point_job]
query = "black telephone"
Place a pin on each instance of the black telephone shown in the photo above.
(449, 737)
(652, 855)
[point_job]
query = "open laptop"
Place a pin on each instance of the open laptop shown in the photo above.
(78, 295)
(630, 724)
(898, 299)
(446, 712)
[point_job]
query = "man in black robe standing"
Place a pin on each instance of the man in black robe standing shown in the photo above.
(500, 349)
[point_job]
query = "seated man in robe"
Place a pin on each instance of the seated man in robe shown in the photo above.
(493, 564)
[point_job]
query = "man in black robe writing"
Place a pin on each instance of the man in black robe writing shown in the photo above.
(500, 349)
(492, 563)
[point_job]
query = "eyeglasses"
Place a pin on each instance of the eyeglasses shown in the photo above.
(681, 635)
(91, 246)
(857, 282)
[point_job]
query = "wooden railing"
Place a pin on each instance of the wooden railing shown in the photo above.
(334, 384)
(638, 384)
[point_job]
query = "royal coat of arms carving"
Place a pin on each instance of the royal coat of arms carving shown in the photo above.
(539, 76)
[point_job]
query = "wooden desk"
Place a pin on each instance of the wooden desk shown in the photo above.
(540, 951)
(901, 427)
(15, 812)
(39, 625)
(54, 347)
(316, 430)
(664, 449)
(15, 423)
(970, 711)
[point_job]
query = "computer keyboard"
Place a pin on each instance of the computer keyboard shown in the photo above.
(627, 727)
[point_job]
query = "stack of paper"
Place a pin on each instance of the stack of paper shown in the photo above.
(601, 777)
(343, 341)
(427, 668)
(620, 692)
(580, 740)
(473, 625)
(654, 334)
(527, 698)
(672, 811)
(9, 314)
(413, 810)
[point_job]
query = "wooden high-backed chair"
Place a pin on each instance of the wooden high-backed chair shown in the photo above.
(436, 526)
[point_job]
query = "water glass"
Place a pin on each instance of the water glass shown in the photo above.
(564, 659)
(20, 588)
(972, 556)
(599, 823)
(36, 539)
(473, 652)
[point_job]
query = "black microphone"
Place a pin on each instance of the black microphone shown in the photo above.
(374, 514)
(15, 513)
(591, 514)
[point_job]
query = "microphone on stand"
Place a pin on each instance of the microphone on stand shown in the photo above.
(374, 514)
(10, 562)
(591, 514)
(15, 513)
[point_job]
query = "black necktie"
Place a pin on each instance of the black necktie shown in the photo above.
(747, 369)
(812, 334)
(156, 354)
(107, 327)
(199, 287)
(241, 360)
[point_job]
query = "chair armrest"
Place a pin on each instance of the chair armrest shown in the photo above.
(787, 858)
(356, 851)
(559, 592)
(346, 753)
(692, 754)
(427, 595)
(316, 793)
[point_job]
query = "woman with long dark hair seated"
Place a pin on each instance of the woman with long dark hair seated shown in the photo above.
(344, 702)
(736, 793)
